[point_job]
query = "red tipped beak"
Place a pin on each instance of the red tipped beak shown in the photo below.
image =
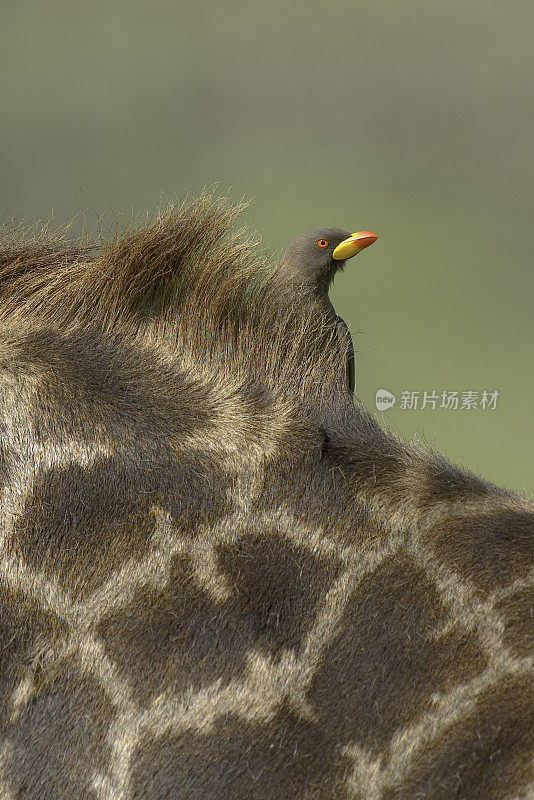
(365, 238)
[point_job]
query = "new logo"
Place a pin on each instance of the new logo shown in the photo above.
(384, 399)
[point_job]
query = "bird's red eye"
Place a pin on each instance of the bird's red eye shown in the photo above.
(322, 243)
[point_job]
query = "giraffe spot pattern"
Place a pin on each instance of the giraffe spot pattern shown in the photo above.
(491, 550)
(487, 754)
(380, 670)
(369, 454)
(82, 523)
(86, 380)
(518, 612)
(283, 758)
(447, 482)
(57, 740)
(178, 636)
(24, 629)
(277, 586)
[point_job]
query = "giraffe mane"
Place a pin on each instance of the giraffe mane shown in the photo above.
(188, 279)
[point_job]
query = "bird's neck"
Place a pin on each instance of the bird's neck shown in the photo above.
(327, 307)
(316, 287)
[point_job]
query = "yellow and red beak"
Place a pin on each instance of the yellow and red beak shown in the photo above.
(353, 244)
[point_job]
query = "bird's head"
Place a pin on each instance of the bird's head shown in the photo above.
(314, 257)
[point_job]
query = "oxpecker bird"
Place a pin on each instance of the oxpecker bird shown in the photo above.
(314, 257)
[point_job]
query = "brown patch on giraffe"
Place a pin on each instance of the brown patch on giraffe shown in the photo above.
(492, 550)
(277, 586)
(486, 755)
(382, 667)
(166, 636)
(366, 454)
(518, 612)
(445, 482)
(287, 758)
(81, 524)
(58, 739)
(26, 632)
(116, 388)
(307, 487)
(178, 636)
(335, 784)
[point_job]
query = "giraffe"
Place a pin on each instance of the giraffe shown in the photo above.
(220, 578)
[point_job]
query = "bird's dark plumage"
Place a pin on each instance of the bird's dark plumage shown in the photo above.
(313, 259)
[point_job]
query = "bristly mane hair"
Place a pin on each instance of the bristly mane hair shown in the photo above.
(200, 295)
(188, 280)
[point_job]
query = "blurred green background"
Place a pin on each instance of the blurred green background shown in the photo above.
(414, 120)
